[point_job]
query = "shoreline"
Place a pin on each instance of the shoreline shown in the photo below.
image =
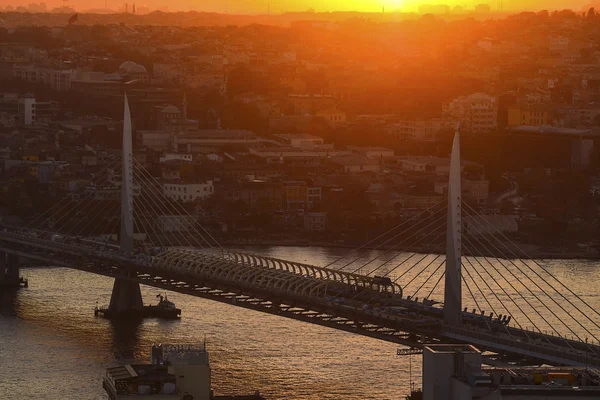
(528, 254)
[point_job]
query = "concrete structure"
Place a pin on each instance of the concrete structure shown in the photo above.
(477, 113)
(10, 276)
(173, 373)
(441, 363)
(188, 192)
(455, 372)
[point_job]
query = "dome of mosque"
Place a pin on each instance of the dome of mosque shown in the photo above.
(137, 69)
(126, 65)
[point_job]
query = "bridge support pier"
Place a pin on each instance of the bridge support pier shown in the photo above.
(126, 297)
(10, 276)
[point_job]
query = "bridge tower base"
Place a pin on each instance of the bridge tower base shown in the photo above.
(10, 276)
(126, 298)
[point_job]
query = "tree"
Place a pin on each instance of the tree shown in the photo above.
(591, 15)
(244, 116)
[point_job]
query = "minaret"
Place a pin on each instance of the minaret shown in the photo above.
(453, 281)
(133, 8)
(126, 240)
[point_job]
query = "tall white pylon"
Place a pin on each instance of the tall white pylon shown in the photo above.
(453, 279)
(126, 240)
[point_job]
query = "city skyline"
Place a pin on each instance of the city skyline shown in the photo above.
(281, 6)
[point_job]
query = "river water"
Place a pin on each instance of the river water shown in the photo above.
(52, 347)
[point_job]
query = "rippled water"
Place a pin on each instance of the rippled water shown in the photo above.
(52, 347)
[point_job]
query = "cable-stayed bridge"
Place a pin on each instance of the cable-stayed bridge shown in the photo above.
(510, 306)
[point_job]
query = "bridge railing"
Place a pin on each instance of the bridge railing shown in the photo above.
(321, 273)
(560, 353)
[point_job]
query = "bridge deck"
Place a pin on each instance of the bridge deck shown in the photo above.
(340, 300)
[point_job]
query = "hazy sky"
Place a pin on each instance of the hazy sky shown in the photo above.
(261, 6)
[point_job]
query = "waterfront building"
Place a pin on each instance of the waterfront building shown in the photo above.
(179, 372)
(456, 372)
(188, 192)
(315, 221)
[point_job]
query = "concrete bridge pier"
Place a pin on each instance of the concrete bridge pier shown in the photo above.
(9, 271)
(126, 297)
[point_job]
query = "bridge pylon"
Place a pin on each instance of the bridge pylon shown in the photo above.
(453, 280)
(126, 295)
(10, 276)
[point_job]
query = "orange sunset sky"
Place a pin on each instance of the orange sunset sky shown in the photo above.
(277, 6)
